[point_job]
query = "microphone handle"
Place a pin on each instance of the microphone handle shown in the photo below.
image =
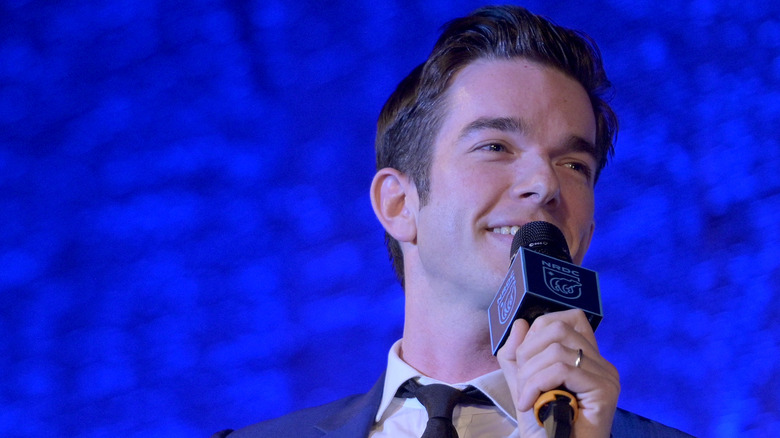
(556, 411)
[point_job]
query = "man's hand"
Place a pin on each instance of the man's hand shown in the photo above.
(543, 357)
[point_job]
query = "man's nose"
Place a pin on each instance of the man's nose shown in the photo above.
(537, 181)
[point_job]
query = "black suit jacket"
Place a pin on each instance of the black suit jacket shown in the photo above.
(352, 417)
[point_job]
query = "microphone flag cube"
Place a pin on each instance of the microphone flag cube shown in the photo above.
(537, 284)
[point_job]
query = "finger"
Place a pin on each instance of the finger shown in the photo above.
(573, 319)
(507, 355)
(584, 383)
(576, 358)
(555, 332)
(508, 352)
(564, 346)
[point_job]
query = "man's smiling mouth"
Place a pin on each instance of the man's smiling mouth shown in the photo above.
(506, 230)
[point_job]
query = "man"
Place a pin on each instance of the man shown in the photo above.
(504, 124)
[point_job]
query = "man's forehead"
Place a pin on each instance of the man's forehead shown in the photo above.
(506, 95)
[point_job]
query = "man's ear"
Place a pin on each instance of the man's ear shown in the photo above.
(394, 199)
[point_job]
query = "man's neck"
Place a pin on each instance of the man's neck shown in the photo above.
(446, 343)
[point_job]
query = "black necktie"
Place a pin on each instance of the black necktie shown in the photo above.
(439, 401)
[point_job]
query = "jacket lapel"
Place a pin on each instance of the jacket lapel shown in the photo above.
(357, 417)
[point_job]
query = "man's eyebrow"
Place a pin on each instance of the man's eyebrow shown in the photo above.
(508, 124)
(579, 144)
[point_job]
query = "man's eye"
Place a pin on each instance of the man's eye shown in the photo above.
(494, 147)
(579, 167)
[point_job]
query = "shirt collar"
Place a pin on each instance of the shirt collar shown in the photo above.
(492, 384)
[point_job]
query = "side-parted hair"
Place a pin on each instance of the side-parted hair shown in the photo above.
(411, 118)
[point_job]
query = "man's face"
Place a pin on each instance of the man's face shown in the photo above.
(516, 145)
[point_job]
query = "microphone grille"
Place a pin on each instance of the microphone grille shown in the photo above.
(542, 237)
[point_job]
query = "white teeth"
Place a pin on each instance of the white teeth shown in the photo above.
(506, 230)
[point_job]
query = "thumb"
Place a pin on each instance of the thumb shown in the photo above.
(507, 356)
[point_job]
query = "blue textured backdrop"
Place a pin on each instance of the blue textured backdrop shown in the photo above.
(186, 241)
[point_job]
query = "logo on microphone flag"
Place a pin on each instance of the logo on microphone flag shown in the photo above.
(506, 299)
(562, 284)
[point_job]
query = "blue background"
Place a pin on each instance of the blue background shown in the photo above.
(186, 240)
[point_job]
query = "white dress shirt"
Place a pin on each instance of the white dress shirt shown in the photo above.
(406, 417)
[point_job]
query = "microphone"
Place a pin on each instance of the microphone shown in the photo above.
(546, 280)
